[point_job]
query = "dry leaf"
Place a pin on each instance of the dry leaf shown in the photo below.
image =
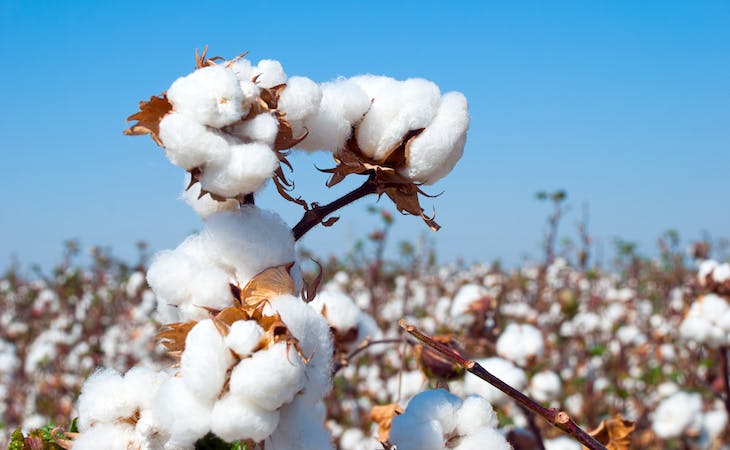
(173, 335)
(267, 285)
(614, 433)
(148, 118)
(383, 416)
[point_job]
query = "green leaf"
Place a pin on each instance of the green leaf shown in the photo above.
(17, 440)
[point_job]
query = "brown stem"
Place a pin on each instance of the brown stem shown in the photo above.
(557, 418)
(316, 215)
(725, 376)
(534, 428)
(363, 345)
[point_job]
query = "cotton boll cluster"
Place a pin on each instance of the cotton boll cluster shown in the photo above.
(707, 321)
(520, 343)
(438, 420)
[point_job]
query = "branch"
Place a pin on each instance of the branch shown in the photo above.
(559, 419)
(316, 215)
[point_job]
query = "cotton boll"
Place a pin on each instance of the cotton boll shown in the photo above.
(247, 169)
(520, 343)
(545, 386)
(474, 414)
(183, 414)
(262, 128)
(676, 414)
(189, 144)
(210, 96)
(169, 275)
(242, 68)
(339, 309)
(342, 106)
(247, 241)
(410, 433)
(205, 361)
(315, 341)
(106, 437)
(142, 383)
(562, 443)
(435, 152)
(270, 377)
(465, 297)
(299, 101)
(209, 287)
(149, 432)
(205, 206)
(485, 438)
(397, 108)
(500, 368)
(235, 417)
(721, 273)
(270, 73)
(244, 336)
(104, 398)
(301, 427)
(436, 404)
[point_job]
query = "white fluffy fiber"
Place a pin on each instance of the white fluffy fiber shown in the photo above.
(435, 416)
(338, 308)
(676, 414)
(500, 368)
(244, 336)
(301, 426)
(210, 96)
(205, 206)
(107, 436)
(520, 343)
(235, 417)
(262, 128)
(463, 299)
(185, 416)
(300, 100)
(545, 386)
(205, 361)
(104, 398)
(707, 321)
(188, 144)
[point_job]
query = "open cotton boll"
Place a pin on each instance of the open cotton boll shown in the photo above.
(315, 340)
(206, 205)
(104, 398)
(234, 417)
(485, 438)
(339, 309)
(342, 106)
(520, 343)
(246, 170)
(149, 432)
(721, 273)
(677, 414)
(262, 128)
(142, 383)
(500, 368)
(436, 404)
(244, 336)
(397, 108)
(707, 321)
(106, 436)
(545, 386)
(205, 361)
(270, 377)
(183, 414)
(210, 96)
(248, 241)
(464, 298)
(270, 73)
(435, 152)
(189, 144)
(209, 287)
(299, 101)
(562, 443)
(474, 414)
(242, 68)
(301, 427)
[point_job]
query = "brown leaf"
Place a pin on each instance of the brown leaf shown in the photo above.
(285, 137)
(383, 416)
(267, 285)
(148, 118)
(331, 221)
(232, 314)
(173, 335)
(614, 433)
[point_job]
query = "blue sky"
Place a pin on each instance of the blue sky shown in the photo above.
(626, 105)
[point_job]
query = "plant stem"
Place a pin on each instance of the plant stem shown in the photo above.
(557, 418)
(725, 376)
(316, 215)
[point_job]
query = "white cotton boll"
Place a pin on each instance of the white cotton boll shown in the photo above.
(189, 144)
(210, 96)
(545, 386)
(398, 107)
(338, 308)
(562, 443)
(135, 284)
(436, 404)
(301, 427)
(465, 297)
(270, 73)
(704, 269)
(117, 436)
(206, 205)
(270, 377)
(169, 275)
(149, 432)
(244, 336)
(485, 438)
(707, 321)
(315, 341)
(299, 101)
(343, 105)
(721, 273)
(242, 68)
(205, 361)
(411, 433)
(520, 343)
(247, 241)
(234, 417)
(715, 421)
(104, 398)
(500, 368)
(474, 414)
(209, 287)
(262, 128)
(676, 414)
(142, 383)
(183, 414)
(246, 170)
(435, 152)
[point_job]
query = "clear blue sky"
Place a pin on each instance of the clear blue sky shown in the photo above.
(624, 104)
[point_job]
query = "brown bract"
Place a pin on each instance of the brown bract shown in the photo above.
(401, 190)
(148, 118)
(614, 433)
(383, 415)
